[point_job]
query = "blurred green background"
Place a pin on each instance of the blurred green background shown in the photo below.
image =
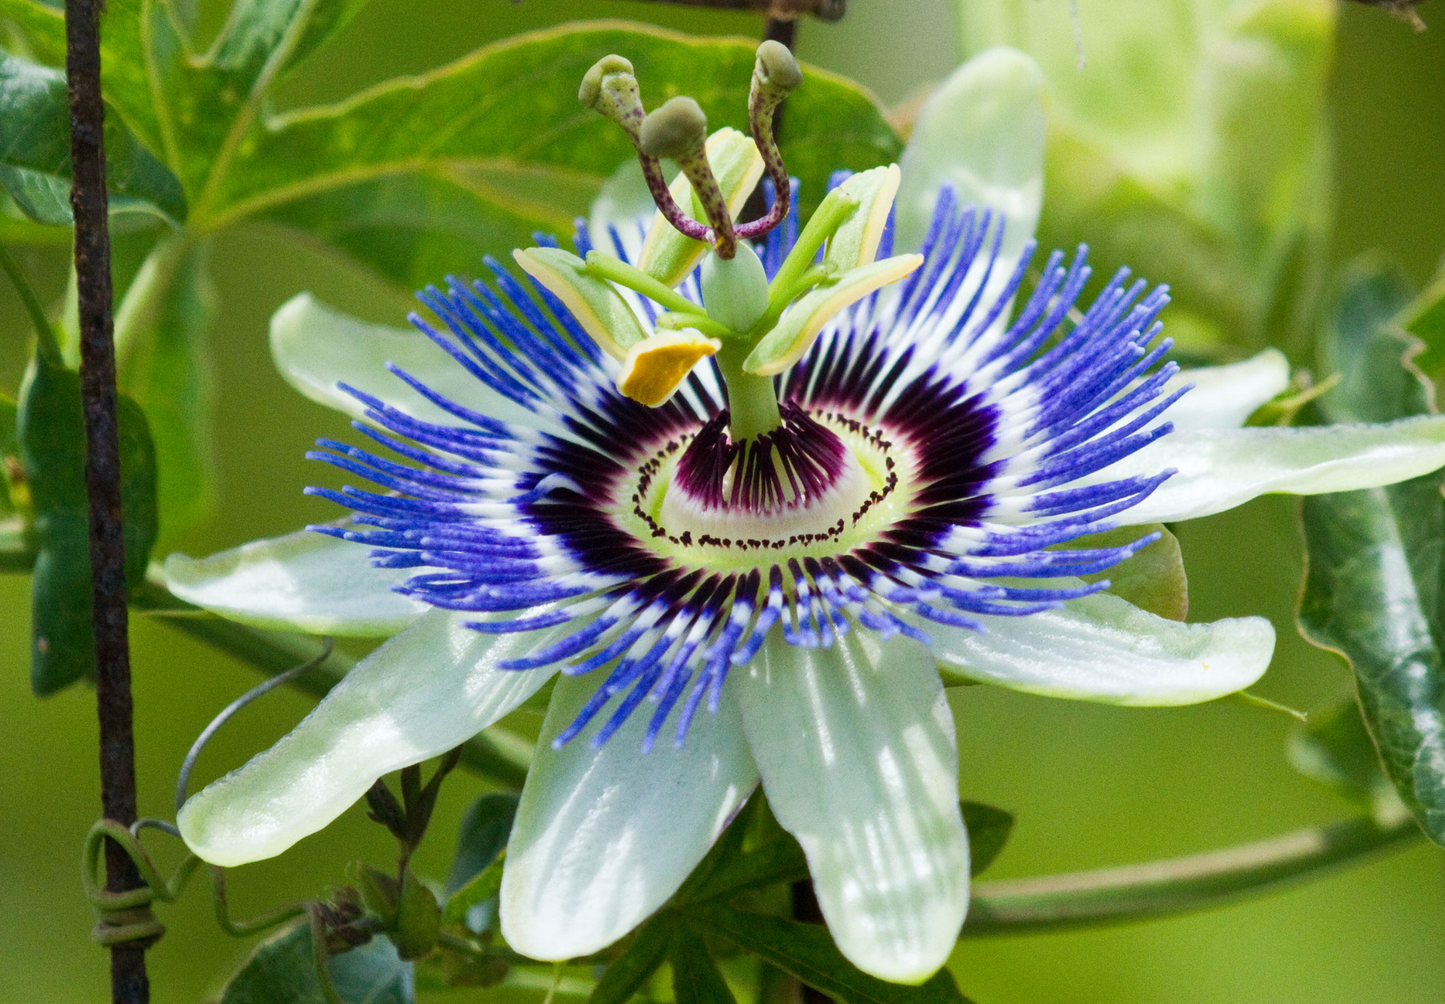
(1092, 786)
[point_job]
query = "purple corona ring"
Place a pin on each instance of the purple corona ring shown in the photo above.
(749, 502)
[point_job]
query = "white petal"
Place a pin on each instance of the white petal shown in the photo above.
(1219, 469)
(857, 751)
(982, 132)
(316, 347)
(430, 688)
(603, 837)
(1224, 396)
(300, 582)
(1103, 648)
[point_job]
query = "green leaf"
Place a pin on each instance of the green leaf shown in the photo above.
(165, 364)
(988, 830)
(512, 106)
(1194, 146)
(51, 438)
(627, 974)
(1335, 749)
(35, 152)
(412, 228)
(778, 860)
(753, 851)
(1372, 590)
(695, 978)
(257, 29)
(807, 952)
(483, 886)
(193, 107)
(1425, 319)
(418, 918)
(484, 832)
(17, 228)
(282, 970)
(1153, 578)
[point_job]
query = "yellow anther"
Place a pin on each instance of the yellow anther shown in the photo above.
(655, 367)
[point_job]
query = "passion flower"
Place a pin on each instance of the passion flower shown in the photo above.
(755, 506)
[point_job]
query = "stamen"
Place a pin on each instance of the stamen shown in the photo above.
(678, 131)
(775, 75)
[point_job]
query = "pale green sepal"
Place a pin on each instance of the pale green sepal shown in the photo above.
(1218, 469)
(855, 243)
(430, 688)
(1224, 396)
(856, 747)
(303, 581)
(667, 255)
(801, 322)
(982, 132)
(594, 302)
(1102, 648)
(603, 837)
(315, 348)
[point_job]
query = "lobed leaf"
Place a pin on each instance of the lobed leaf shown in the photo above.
(1425, 319)
(807, 953)
(35, 152)
(282, 970)
(1372, 589)
(483, 837)
(627, 974)
(695, 977)
(513, 105)
(51, 440)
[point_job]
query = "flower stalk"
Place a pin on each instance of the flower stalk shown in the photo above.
(1177, 885)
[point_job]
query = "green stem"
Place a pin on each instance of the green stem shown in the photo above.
(48, 346)
(673, 321)
(147, 292)
(246, 928)
(752, 402)
(1176, 885)
(502, 759)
